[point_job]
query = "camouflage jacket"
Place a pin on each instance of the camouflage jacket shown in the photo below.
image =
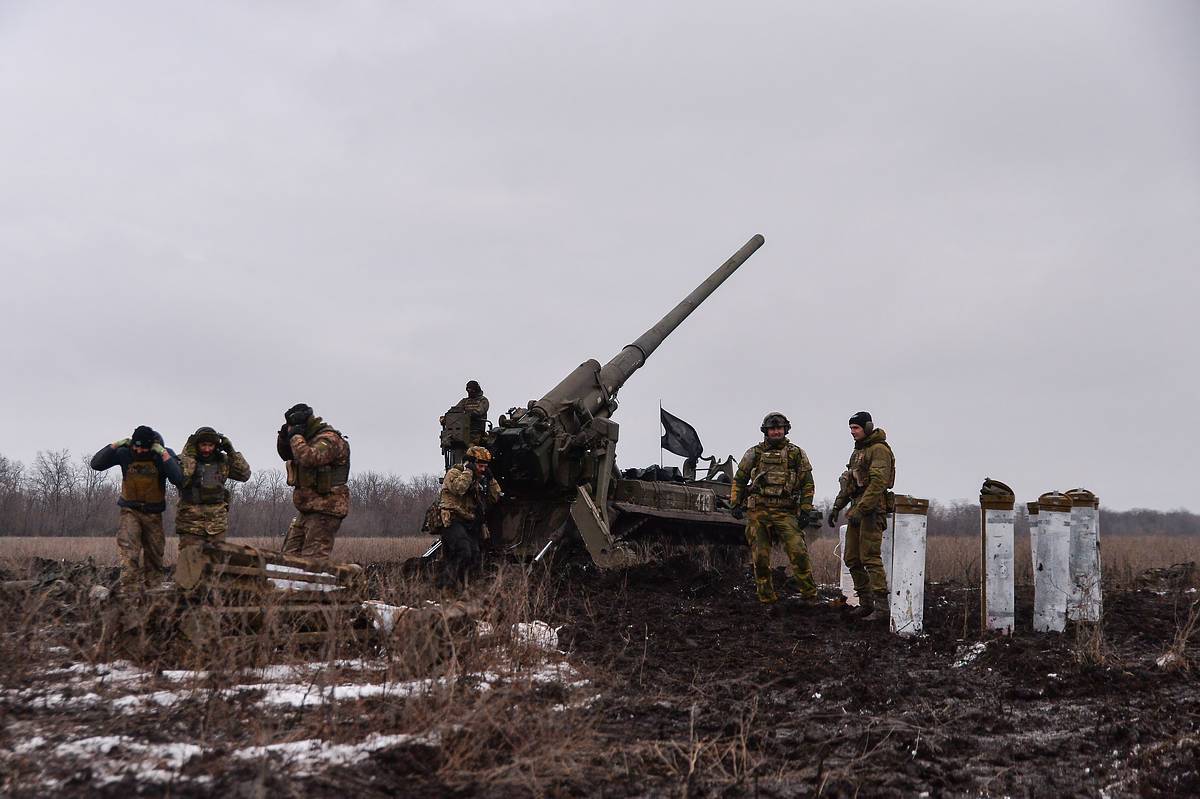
(463, 496)
(869, 474)
(202, 480)
(774, 475)
(321, 447)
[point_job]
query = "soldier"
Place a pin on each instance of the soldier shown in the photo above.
(864, 486)
(464, 425)
(207, 461)
(146, 466)
(468, 491)
(318, 465)
(774, 480)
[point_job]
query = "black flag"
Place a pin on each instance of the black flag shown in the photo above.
(681, 437)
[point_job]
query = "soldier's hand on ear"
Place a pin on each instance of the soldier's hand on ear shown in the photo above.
(124, 442)
(295, 430)
(161, 451)
(226, 445)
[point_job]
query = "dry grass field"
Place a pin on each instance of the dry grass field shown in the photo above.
(949, 559)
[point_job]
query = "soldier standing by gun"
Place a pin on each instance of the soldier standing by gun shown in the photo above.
(464, 425)
(468, 491)
(774, 480)
(146, 466)
(207, 461)
(318, 465)
(864, 486)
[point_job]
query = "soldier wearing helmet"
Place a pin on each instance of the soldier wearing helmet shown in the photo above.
(208, 459)
(318, 466)
(464, 425)
(774, 484)
(468, 492)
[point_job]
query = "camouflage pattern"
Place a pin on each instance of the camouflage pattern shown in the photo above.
(321, 446)
(477, 408)
(195, 524)
(775, 474)
(864, 541)
(864, 485)
(461, 496)
(140, 542)
(311, 535)
(766, 527)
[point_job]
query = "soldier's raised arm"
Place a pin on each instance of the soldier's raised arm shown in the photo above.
(239, 469)
(457, 481)
(324, 450)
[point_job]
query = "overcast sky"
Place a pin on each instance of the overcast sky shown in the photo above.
(982, 225)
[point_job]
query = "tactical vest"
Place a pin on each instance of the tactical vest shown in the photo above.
(142, 485)
(207, 486)
(773, 481)
(323, 479)
(860, 471)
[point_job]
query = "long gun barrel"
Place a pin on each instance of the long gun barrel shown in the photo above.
(591, 387)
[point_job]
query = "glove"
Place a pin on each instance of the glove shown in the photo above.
(834, 512)
(295, 430)
(226, 445)
(161, 451)
(124, 442)
(739, 512)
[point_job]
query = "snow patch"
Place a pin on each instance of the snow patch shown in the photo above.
(965, 655)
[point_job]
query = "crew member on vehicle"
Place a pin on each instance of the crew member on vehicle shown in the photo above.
(208, 459)
(318, 466)
(774, 482)
(464, 425)
(468, 491)
(865, 486)
(146, 466)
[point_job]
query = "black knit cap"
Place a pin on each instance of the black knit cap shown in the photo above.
(143, 436)
(862, 419)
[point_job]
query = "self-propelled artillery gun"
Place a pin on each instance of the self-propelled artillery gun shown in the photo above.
(556, 459)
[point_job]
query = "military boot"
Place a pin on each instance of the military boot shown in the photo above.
(766, 591)
(866, 605)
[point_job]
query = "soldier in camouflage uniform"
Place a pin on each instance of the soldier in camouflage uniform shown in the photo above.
(774, 481)
(146, 466)
(464, 425)
(468, 491)
(318, 465)
(207, 461)
(864, 486)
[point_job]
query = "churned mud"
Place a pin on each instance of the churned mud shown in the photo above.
(666, 679)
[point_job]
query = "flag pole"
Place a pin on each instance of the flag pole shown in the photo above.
(660, 457)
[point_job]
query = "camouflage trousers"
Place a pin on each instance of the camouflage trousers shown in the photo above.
(140, 541)
(311, 535)
(864, 540)
(195, 524)
(764, 528)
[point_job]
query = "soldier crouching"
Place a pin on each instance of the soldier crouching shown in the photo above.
(468, 491)
(208, 459)
(318, 466)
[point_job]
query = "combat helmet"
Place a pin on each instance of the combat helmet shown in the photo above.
(478, 453)
(775, 419)
(206, 434)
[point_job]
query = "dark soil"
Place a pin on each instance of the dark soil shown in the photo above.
(788, 701)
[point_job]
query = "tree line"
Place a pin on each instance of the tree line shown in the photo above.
(61, 495)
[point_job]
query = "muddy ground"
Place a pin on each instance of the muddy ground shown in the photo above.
(696, 690)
